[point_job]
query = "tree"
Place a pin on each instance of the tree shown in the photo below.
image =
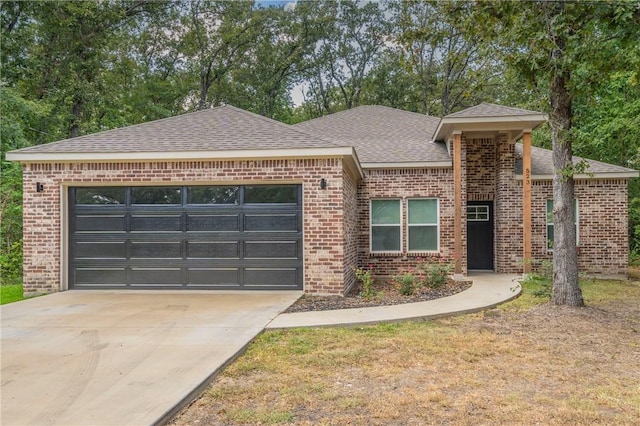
(19, 120)
(551, 45)
(350, 46)
(450, 71)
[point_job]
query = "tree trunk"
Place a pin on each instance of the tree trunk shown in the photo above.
(566, 288)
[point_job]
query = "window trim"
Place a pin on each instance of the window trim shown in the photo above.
(476, 213)
(576, 221)
(436, 224)
(399, 225)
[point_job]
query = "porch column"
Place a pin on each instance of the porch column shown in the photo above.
(526, 200)
(457, 203)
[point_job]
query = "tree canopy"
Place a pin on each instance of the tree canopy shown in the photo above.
(72, 68)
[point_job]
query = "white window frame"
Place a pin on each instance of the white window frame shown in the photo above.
(371, 225)
(436, 224)
(576, 222)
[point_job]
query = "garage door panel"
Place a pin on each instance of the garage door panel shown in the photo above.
(214, 250)
(227, 277)
(100, 276)
(101, 250)
(271, 222)
(155, 250)
(213, 223)
(156, 276)
(271, 249)
(271, 277)
(100, 223)
(156, 223)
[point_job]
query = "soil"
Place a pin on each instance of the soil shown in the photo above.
(386, 295)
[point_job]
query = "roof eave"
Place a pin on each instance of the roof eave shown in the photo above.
(145, 156)
(408, 165)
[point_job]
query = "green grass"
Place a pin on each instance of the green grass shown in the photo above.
(10, 293)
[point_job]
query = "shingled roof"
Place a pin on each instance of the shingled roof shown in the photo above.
(217, 129)
(381, 134)
(542, 165)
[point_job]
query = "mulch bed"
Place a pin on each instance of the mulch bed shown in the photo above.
(388, 295)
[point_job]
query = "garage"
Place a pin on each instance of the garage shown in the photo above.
(186, 237)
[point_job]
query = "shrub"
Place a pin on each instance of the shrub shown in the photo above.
(436, 274)
(407, 283)
(364, 276)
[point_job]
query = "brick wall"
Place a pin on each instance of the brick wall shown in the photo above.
(351, 229)
(508, 210)
(405, 184)
(481, 169)
(603, 220)
(324, 227)
(602, 224)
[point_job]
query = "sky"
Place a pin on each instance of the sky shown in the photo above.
(275, 3)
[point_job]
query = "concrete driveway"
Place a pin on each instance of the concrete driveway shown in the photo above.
(121, 357)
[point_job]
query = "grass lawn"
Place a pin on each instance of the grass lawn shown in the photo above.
(10, 293)
(525, 362)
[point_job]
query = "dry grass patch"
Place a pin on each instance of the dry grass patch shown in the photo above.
(530, 363)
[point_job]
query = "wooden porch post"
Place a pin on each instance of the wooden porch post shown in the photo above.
(457, 190)
(526, 200)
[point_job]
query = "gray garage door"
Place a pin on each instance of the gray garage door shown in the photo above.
(200, 237)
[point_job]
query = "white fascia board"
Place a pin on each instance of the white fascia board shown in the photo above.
(101, 157)
(603, 175)
(494, 119)
(409, 165)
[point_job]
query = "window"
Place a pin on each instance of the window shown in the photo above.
(386, 225)
(477, 213)
(271, 194)
(156, 195)
(101, 195)
(422, 221)
(212, 195)
(550, 223)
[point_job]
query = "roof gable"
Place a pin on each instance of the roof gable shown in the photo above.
(381, 134)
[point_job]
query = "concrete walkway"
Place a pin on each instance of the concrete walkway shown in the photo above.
(488, 290)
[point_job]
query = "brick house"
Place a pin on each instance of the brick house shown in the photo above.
(226, 199)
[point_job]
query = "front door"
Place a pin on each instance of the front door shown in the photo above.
(480, 235)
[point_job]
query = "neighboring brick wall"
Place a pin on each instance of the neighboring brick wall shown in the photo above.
(405, 184)
(323, 233)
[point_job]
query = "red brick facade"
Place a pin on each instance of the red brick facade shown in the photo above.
(328, 239)
(336, 219)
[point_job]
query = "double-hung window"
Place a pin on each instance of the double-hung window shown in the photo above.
(386, 225)
(550, 222)
(422, 224)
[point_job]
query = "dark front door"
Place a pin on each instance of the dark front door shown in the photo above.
(480, 235)
(198, 237)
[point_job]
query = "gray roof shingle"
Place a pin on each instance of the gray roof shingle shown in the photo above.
(217, 129)
(486, 109)
(542, 163)
(381, 134)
